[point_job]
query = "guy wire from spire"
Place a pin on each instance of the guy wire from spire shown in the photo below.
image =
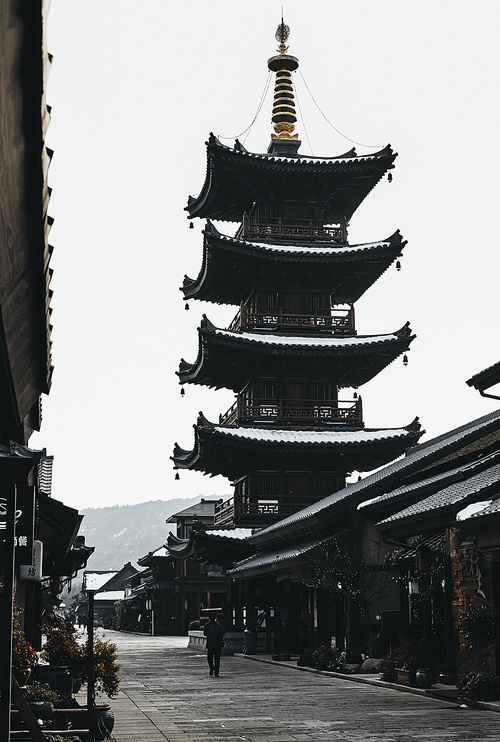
(259, 108)
(301, 116)
(360, 144)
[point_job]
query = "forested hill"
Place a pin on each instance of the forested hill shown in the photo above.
(124, 533)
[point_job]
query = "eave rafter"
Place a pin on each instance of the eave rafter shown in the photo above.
(235, 179)
(230, 359)
(231, 451)
(232, 268)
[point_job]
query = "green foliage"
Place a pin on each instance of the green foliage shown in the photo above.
(106, 668)
(479, 686)
(61, 647)
(36, 691)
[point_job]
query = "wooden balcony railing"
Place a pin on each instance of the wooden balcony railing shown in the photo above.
(224, 512)
(284, 318)
(290, 229)
(294, 412)
(265, 509)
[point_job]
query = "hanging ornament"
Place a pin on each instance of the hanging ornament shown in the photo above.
(177, 475)
(405, 360)
(191, 225)
(186, 306)
(183, 392)
(398, 265)
(389, 177)
(355, 395)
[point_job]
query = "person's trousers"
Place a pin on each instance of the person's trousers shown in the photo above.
(213, 658)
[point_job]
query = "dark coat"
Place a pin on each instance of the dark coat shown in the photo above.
(214, 632)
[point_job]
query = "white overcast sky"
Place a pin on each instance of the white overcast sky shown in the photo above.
(135, 89)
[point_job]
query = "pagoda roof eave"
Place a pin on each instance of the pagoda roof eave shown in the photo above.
(232, 267)
(351, 360)
(235, 179)
(232, 450)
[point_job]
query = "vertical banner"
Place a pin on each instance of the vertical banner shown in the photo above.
(25, 524)
(33, 572)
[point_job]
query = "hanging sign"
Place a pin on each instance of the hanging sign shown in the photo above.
(33, 572)
(25, 522)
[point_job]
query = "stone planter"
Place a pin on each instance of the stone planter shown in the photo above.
(406, 677)
(424, 677)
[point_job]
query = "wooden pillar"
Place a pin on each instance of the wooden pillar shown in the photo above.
(90, 658)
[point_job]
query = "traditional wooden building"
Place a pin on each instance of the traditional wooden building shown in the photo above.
(292, 354)
(359, 560)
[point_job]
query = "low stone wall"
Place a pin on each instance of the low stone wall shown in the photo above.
(234, 642)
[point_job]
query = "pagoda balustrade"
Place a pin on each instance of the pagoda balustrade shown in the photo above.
(291, 229)
(266, 510)
(294, 411)
(290, 319)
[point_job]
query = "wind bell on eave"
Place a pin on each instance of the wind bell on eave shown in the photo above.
(284, 141)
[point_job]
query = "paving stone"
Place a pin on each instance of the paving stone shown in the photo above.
(166, 695)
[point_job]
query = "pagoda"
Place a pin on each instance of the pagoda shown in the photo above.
(291, 355)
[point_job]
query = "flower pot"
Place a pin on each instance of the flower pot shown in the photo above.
(424, 677)
(102, 722)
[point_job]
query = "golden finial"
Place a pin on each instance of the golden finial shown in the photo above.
(284, 116)
(282, 34)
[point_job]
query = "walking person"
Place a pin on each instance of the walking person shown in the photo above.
(214, 631)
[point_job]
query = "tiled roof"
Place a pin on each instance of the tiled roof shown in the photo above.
(308, 341)
(202, 509)
(452, 495)
(381, 480)
(278, 558)
(345, 251)
(288, 436)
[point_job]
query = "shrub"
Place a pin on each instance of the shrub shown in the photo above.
(325, 657)
(478, 686)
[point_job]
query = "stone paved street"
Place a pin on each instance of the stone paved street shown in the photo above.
(167, 694)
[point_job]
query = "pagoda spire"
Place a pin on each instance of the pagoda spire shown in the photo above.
(284, 141)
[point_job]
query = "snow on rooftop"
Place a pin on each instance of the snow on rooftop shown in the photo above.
(95, 580)
(160, 552)
(238, 533)
(327, 250)
(312, 436)
(305, 341)
(110, 595)
(473, 509)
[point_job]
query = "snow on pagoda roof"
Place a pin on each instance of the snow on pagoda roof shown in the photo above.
(317, 341)
(311, 249)
(311, 437)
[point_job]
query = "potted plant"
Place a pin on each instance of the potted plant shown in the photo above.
(409, 655)
(62, 652)
(24, 656)
(106, 680)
